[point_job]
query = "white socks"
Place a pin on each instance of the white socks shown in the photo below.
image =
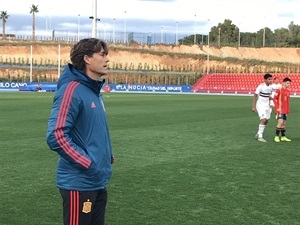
(261, 130)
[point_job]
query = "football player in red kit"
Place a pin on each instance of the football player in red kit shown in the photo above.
(282, 106)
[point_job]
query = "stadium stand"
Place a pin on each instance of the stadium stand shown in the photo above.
(239, 83)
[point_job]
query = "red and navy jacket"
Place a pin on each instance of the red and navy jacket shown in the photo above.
(78, 132)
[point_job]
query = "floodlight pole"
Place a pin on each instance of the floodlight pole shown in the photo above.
(94, 19)
(114, 29)
(219, 38)
(30, 73)
(195, 30)
(176, 41)
(207, 71)
(264, 37)
(161, 34)
(58, 63)
(47, 26)
(239, 42)
(125, 28)
(78, 29)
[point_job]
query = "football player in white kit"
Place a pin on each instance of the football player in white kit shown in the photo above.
(275, 86)
(261, 105)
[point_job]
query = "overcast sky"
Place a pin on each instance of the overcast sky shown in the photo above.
(148, 15)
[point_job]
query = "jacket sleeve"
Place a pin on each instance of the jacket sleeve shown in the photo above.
(109, 143)
(64, 113)
(276, 99)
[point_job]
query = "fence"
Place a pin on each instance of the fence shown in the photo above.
(110, 37)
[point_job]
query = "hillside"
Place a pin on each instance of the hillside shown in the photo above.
(158, 57)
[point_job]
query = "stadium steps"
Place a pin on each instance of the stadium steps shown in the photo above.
(239, 83)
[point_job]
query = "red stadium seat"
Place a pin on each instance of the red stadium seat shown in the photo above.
(242, 83)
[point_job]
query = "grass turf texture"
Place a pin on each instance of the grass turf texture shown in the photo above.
(180, 159)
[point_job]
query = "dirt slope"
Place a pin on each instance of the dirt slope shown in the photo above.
(123, 55)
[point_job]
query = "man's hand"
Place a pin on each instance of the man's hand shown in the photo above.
(112, 160)
(253, 109)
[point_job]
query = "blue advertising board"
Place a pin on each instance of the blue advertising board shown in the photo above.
(28, 86)
(149, 88)
(51, 87)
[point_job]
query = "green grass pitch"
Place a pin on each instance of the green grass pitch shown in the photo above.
(180, 160)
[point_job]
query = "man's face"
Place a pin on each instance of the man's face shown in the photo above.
(96, 66)
(269, 80)
(287, 84)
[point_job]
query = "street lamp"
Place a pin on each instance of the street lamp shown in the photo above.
(97, 20)
(176, 39)
(239, 37)
(162, 34)
(114, 20)
(264, 37)
(50, 21)
(195, 30)
(125, 28)
(47, 26)
(93, 30)
(104, 36)
(207, 69)
(149, 38)
(94, 26)
(78, 25)
(94, 18)
(219, 37)
(264, 33)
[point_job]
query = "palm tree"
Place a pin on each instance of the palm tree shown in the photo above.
(33, 9)
(3, 16)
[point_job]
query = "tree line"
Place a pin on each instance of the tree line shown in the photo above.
(228, 34)
(4, 17)
(224, 34)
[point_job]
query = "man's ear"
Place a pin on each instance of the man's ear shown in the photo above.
(86, 59)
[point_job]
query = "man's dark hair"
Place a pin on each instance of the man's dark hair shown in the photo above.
(87, 46)
(267, 75)
(286, 80)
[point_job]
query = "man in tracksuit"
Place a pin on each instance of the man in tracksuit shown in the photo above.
(78, 132)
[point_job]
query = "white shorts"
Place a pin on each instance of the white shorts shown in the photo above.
(263, 111)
